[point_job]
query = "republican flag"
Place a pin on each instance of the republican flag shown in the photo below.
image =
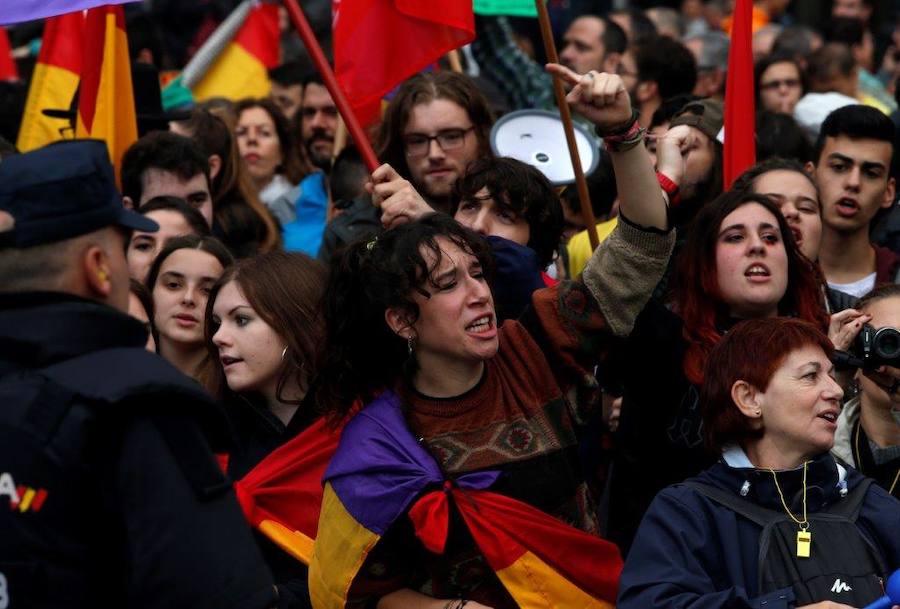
(380, 43)
(53, 82)
(8, 69)
(241, 69)
(17, 11)
(282, 496)
(106, 99)
(740, 105)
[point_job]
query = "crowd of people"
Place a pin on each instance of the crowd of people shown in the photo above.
(426, 374)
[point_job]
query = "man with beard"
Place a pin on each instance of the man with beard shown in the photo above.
(318, 122)
(434, 127)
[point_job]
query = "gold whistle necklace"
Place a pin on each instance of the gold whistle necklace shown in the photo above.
(804, 537)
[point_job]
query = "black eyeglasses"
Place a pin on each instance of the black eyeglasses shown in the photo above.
(418, 144)
(790, 83)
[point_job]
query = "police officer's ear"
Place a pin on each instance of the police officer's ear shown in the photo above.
(95, 270)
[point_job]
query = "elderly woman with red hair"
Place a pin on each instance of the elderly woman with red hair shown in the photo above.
(777, 522)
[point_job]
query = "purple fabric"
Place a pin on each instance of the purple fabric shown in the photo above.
(379, 468)
(16, 11)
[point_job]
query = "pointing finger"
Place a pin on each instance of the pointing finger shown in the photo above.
(563, 72)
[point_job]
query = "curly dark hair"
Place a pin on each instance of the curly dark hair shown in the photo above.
(523, 189)
(362, 356)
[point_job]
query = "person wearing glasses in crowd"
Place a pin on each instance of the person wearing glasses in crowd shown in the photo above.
(779, 83)
(434, 127)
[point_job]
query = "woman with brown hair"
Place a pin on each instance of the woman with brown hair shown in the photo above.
(272, 160)
(263, 331)
(240, 219)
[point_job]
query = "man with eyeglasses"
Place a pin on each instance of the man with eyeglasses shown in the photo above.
(436, 125)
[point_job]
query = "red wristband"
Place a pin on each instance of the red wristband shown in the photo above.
(669, 187)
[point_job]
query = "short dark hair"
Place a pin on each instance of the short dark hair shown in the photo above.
(614, 38)
(779, 135)
(166, 202)
(830, 60)
(856, 122)
(844, 30)
(165, 151)
(288, 74)
(794, 41)
(347, 176)
(668, 63)
(670, 107)
(751, 351)
(523, 189)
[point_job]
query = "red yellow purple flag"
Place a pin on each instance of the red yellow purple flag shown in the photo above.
(8, 69)
(106, 103)
(380, 43)
(53, 82)
(740, 106)
(241, 70)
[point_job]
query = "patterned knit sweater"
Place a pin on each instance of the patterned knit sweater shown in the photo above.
(521, 419)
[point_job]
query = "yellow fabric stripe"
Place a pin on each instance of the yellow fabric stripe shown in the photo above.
(535, 585)
(342, 545)
(294, 543)
(51, 87)
(26, 500)
(115, 120)
(235, 75)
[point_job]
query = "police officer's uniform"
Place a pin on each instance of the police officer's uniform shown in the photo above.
(109, 493)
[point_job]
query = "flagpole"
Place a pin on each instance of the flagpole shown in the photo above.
(587, 212)
(337, 94)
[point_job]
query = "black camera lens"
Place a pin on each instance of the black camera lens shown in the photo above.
(886, 343)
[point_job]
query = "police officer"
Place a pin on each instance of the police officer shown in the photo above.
(109, 492)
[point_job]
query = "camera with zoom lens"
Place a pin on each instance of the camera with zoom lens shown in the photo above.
(873, 348)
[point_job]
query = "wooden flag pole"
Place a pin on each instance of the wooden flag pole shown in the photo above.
(454, 61)
(587, 212)
(298, 19)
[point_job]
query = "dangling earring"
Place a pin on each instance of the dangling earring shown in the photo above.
(283, 353)
(409, 345)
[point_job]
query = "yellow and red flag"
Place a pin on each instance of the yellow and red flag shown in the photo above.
(106, 103)
(241, 69)
(53, 82)
(8, 69)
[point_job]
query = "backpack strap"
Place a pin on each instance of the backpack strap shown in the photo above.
(848, 507)
(749, 510)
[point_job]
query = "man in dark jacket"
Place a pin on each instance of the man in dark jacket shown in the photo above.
(109, 492)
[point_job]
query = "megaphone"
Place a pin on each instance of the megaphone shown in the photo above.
(537, 137)
(892, 594)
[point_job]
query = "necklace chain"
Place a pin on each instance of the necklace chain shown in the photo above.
(859, 461)
(804, 524)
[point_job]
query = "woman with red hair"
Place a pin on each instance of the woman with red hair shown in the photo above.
(777, 522)
(740, 261)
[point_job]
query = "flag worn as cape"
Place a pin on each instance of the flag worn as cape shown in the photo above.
(380, 43)
(16, 11)
(740, 104)
(8, 70)
(241, 70)
(106, 99)
(282, 495)
(380, 472)
(53, 82)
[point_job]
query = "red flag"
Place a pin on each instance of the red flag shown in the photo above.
(106, 103)
(53, 82)
(740, 106)
(379, 43)
(8, 69)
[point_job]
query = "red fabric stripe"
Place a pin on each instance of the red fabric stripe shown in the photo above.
(38, 500)
(286, 486)
(62, 42)
(740, 106)
(505, 528)
(94, 48)
(260, 36)
(431, 519)
(8, 70)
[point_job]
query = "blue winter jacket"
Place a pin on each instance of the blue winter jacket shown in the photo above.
(693, 553)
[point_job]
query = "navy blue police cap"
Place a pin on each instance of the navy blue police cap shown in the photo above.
(62, 191)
